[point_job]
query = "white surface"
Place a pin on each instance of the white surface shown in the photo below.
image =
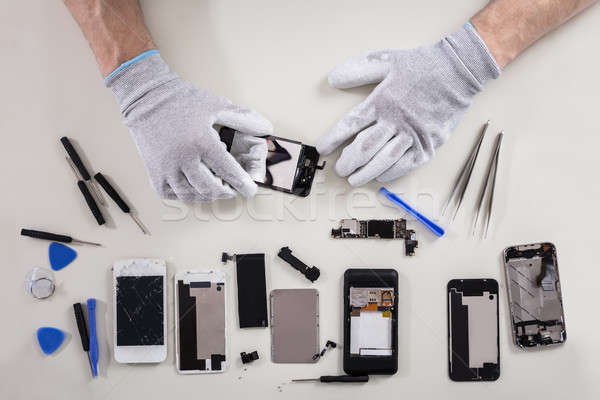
(274, 56)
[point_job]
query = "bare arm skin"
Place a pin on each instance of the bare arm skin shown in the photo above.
(115, 30)
(509, 27)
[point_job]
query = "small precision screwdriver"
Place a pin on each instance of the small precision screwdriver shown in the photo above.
(55, 237)
(83, 332)
(85, 175)
(336, 378)
(113, 194)
(87, 195)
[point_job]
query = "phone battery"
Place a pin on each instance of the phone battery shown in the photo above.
(252, 290)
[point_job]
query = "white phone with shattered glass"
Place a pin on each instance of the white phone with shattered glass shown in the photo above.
(140, 310)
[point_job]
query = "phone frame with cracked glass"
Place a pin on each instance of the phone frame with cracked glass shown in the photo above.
(370, 321)
(305, 169)
(534, 295)
(134, 351)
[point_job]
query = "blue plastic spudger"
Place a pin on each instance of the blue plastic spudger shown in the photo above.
(50, 339)
(433, 227)
(91, 305)
(60, 255)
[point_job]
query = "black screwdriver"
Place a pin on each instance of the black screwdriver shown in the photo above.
(336, 378)
(87, 195)
(83, 331)
(85, 175)
(55, 237)
(110, 190)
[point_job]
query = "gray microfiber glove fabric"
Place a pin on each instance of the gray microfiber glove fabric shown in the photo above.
(422, 96)
(172, 124)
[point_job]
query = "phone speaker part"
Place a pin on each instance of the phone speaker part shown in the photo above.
(311, 273)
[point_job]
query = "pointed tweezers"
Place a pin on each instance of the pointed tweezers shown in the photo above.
(491, 176)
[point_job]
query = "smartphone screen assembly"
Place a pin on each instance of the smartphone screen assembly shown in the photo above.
(140, 317)
(201, 342)
(473, 334)
(277, 163)
(370, 321)
(534, 295)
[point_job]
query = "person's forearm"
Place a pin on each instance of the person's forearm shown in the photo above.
(115, 30)
(508, 27)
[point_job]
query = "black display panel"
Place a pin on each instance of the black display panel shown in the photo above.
(140, 312)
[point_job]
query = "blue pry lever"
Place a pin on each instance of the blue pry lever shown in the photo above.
(433, 227)
(91, 305)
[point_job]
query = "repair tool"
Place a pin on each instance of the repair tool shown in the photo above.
(433, 227)
(336, 378)
(81, 167)
(83, 331)
(50, 339)
(60, 255)
(93, 352)
(113, 194)
(87, 195)
(54, 237)
(462, 181)
(311, 273)
(490, 180)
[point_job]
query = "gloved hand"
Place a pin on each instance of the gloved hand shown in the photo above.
(172, 124)
(422, 96)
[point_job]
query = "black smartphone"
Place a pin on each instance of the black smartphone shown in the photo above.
(473, 334)
(370, 321)
(290, 166)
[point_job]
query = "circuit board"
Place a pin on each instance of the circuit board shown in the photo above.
(377, 228)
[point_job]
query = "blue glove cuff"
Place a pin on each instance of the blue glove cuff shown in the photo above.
(129, 62)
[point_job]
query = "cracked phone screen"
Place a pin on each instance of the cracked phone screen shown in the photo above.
(140, 310)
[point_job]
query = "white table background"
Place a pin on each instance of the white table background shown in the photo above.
(274, 56)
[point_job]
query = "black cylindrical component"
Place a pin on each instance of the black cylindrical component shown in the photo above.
(75, 158)
(91, 202)
(46, 235)
(110, 190)
(344, 378)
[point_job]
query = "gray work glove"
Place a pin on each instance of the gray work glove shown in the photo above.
(172, 124)
(422, 96)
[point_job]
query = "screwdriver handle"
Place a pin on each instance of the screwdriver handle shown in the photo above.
(93, 352)
(110, 190)
(91, 202)
(344, 378)
(46, 236)
(75, 158)
(81, 325)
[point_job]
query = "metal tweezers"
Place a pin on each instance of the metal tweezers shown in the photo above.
(462, 181)
(491, 175)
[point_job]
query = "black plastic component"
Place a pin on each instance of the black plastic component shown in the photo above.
(311, 273)
(82, 326)
(252, 290)
(330, 344)
(226, 257)
(91, 202)
(344, 378)
(248, 358)
(46, 236)
(370, 278)
(75, 158)
(110, 190)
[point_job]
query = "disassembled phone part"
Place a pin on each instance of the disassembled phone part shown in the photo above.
(329, 345)
(200, 322)
(473, 335)
(294, 325)
(377, 228)
(311, 273)
(534, 295)
(249, 357)
(370, 321)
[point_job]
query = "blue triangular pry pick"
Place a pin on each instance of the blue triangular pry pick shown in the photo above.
(50, 339)
(60, 255)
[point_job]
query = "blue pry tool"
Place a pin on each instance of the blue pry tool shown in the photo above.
(433, 227)
(91, 305)
(60, 255)
(50, 339)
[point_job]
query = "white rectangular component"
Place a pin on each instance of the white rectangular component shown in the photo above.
(371, 334)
